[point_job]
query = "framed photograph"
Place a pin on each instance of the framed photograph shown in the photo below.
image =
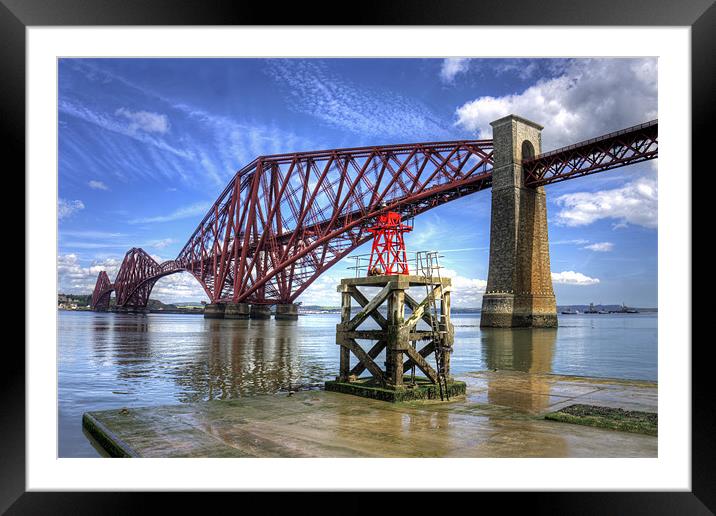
(271, 251)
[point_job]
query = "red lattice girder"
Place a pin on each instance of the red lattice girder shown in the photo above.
(137, 276)
(285, 219)
(102, 292)
(613, 150)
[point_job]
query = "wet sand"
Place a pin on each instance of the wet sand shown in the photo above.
(501, 416)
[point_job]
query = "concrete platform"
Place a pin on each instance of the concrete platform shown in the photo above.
(501, 416)
(422, 390)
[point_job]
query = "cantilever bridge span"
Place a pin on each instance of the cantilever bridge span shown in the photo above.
(285, 219)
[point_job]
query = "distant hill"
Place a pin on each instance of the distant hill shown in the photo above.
(83, 300)
(79, 299)
(155, 304)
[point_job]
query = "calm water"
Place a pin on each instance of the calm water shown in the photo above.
(119, 360)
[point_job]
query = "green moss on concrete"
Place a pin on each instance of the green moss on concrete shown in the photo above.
(422, 390)
(607, 417)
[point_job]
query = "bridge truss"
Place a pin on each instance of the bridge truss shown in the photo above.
(285, 219)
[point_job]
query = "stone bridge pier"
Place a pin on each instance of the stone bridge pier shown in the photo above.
(519, 289)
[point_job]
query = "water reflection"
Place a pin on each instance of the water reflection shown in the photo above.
(381, 426)
(242, 358)
(529, 350)
(108, 360)
(206, 359)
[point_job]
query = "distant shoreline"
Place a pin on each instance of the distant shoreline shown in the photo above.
(77, 303)
(338, 311)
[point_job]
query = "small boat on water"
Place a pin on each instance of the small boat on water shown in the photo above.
(624, 310)
(570, 311)
(591, 309)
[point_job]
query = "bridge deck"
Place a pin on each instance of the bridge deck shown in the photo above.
(501, 416)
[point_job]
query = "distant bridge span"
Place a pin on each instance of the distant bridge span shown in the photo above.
(285, 219)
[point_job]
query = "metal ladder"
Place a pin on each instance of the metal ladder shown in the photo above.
(432, 263)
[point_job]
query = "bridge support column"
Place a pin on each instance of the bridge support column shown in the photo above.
(214, 311)
(519, 283)
(287, 312)
(236, 311)
(260, 312)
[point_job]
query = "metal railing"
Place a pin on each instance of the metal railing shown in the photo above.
(429, 266)
(593, 140)
(417, 263)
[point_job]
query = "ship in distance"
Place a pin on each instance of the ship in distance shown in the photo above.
(623, 309)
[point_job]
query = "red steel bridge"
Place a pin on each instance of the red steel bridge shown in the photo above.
(285, 219)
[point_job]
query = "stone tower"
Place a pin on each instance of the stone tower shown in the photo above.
(519, 283)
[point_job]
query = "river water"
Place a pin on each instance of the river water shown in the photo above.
(108, 360)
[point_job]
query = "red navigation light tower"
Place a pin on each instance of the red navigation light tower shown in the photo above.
(388, 256)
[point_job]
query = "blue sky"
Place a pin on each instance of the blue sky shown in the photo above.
(146, 145)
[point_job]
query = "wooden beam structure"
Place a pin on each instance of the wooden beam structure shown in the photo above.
(381, 320)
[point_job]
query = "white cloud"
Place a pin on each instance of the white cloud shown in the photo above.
(453, 66)
(573, 278)
(591, 97)
(601, 247)
(635, 203)
(97, 185)
(145, 121)
(214, 149)
(108, 240)
(76, 279)
(73, 278)
(236, 144)
(67, 208)
(522, 68)
(323, 291)
(110, 123)
(467, 292)
(325, 95)
(425, 234)
(193, 210)
(162, 243)
(180, 287)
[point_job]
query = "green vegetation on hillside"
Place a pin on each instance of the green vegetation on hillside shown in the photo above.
(81, 301)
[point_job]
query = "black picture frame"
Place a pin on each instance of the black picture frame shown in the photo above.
(17, 15)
